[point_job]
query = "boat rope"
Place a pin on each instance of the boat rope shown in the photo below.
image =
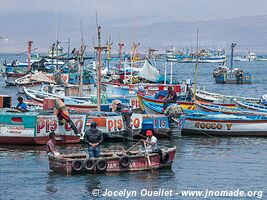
(207, 134)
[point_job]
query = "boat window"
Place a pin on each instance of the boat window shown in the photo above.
(17, 119)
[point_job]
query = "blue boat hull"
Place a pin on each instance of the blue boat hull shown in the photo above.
(231, 78)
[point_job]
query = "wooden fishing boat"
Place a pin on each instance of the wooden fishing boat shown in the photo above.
(111, 162)
(226, 110)
(216, 124)
(251, 106)
(34, 127)
(69, 102)
(215, 97)
(113, 125)
(159, 102)
(159, 124)
(32, 81)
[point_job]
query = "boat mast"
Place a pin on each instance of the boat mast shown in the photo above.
(196, 69)
(81, 63)
(29, 55)
(68, 52)
(121, 45)
(232, 55)
(99, 50)
(109, 50)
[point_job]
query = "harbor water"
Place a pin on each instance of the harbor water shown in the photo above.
(201, 163)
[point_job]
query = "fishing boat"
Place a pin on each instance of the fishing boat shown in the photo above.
(32, 81)
(227, 75)
(70, 102)
(216, 124)
(216, 97)
(225, 110)
(251, 106)
(34, 127)
(154, 104)
(112, 162)
(114, 126)
(249, 56)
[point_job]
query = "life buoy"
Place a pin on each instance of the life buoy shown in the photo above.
(77, 165)
(124, 161)
(89, 164)
(165, 158)
(101, 165)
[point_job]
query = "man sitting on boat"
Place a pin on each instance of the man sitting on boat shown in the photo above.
(152, 144)
(93, 137)
(22, 106)
(170, 98)
(50, 145)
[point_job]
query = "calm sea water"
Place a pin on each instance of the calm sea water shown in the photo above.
(201, 163)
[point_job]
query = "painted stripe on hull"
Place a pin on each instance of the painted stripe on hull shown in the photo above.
(39, 140)
(225, 133)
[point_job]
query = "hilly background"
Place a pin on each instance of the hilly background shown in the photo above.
(247, 32)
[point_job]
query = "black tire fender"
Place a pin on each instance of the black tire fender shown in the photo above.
(101, 164)
(89, 164)
(165, 158)
(124, 161)
(77, 165)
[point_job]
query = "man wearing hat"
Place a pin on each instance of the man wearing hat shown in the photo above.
(170, 98)
(151, 142)
(93, 137)
(22, 106)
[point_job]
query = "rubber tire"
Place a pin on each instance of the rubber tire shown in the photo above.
(101, 165)
(91, 167)
(75, 163)
(165, 158)
(124, 161)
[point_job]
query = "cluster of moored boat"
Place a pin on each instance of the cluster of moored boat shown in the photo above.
(195, 112)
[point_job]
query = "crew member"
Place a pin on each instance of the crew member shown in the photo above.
(22, 106)
(50, 145)
(93, 137)
(151, 142)
(170, 98)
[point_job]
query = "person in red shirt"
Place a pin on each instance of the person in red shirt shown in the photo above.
(170, 98)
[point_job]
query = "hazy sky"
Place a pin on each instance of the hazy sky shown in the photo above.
(23, 20)
(180, 10)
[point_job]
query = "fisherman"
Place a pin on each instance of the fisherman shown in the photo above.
(116, 106)
(93, 137)
(170, 98)
(22, 106)
(151, 142)
(50, 145)
(13, 64)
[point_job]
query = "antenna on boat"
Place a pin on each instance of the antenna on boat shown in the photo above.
(196, 68)
(99, 50)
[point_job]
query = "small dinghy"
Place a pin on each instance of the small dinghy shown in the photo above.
(110, 162)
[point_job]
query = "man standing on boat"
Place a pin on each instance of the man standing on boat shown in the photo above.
(93, 137)
(22, 106)
(50, 145)
(170, 98)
